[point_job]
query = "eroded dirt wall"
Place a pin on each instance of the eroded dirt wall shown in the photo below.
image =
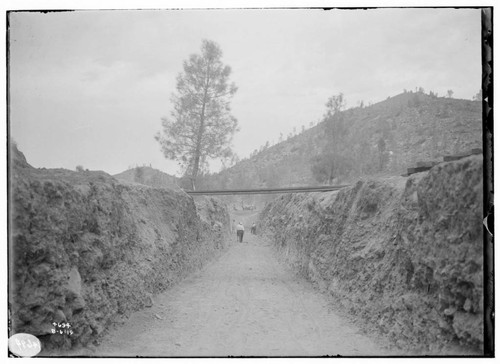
(88, 250)
(403, 255)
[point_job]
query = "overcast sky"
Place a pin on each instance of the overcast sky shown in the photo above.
(90, 87)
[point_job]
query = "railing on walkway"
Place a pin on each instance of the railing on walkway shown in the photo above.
(267, 190)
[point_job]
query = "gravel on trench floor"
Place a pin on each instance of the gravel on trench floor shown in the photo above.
(246, 303)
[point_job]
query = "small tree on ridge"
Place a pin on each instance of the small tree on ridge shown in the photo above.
(331, 163)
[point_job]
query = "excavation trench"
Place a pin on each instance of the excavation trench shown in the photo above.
(245, 303)
(153, 272)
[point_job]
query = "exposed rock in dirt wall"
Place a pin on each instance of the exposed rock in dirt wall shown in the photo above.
(87, 250)
(404, 255)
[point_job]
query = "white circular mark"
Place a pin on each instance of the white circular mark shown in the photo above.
(25, 345)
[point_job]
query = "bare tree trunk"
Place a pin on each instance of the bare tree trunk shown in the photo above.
(201, 130)
(196, 165)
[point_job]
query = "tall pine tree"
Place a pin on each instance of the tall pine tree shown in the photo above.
(200, 126)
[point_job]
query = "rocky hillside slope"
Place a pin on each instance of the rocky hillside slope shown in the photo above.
(403, 255)
(87, 250)
(413, 126)
(148, 176)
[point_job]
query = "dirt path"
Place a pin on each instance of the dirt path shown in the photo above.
(244, 304)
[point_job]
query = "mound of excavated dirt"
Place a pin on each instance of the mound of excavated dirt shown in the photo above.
(87, 250)
(403, 255)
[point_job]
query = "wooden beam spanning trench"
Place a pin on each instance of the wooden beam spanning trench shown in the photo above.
(267, 190)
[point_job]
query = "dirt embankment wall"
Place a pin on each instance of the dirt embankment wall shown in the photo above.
(404, 255)
(88, 250)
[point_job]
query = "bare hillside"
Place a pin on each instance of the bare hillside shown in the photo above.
(382, 139)
(148, 176)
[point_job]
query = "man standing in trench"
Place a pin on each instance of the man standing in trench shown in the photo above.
(253, 229)
(240, 230)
